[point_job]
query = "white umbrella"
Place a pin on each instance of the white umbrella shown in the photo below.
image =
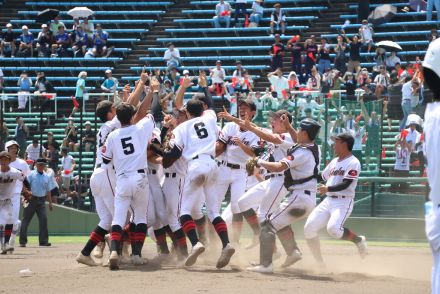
(80, 12)
(389, 45)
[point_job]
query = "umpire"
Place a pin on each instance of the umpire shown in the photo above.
(41, 185)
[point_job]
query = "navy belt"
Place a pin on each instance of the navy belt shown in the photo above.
(151, 171)
(233, 166)
(141, 171)
(170, 175)
(336, 197)
(273, 176)
(195, 157)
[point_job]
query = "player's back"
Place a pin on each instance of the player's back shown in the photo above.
(102, 135)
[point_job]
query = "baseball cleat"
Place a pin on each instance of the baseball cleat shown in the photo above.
(225, 257)
(98, 251)
(137, 260)
(292, 259)
(87, 260)
(255, 242)
(362, 247)
(113, 261)
(261, 269)
(195, 252)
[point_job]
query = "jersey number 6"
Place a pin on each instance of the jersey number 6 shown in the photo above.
(127, 146)
(201, 131)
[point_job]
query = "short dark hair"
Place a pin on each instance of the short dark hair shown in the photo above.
(195, 107)
(125, 112)
(35, 140)
(102, 109)
(17, 118)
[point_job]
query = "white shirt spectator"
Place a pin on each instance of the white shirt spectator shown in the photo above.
(382, 79)
(357, 135)
(392, 60)
(67, 163)
(406, 91)
(218, 75)
(279, 84)
(367, 33)
(257, 8)
(413, 137)
(402, 158)
(220, 8)
(171, 55)
(33, 153)
(312, 104)
(414, 118)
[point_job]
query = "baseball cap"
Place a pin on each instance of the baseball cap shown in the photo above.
(88, 123)
(311, 126)
(41, 161)
(186, 72)
(44, 26)
(9, 25)
(280, 113)
(248, 102)
(24, 27)
(11, 143)
(345, 137)
(5, 154)
(108, 71)
(218, 61)
(432, 57)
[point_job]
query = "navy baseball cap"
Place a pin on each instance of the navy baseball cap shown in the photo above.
(345, 137)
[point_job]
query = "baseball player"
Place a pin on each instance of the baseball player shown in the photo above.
(431, 73)
(11, 229)
(237, 144)
(103, 179)
(300, 168)
(8, 178)
(195, 141)
(341, 176)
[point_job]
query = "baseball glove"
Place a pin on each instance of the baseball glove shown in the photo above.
(27, 194)
(250, 166)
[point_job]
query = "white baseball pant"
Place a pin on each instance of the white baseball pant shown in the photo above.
(432, 223)
(102, 185)
(157, 213)
(237, 179)
(132, 192)
(200, 187)
(16, 223)
(331, 212)
(172, 189)
(297, 206)
(6, 211)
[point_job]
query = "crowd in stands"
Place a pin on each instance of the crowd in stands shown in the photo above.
(84, 39)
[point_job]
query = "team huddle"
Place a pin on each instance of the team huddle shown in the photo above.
(172, 182)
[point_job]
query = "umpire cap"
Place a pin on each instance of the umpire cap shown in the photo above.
(311, 127)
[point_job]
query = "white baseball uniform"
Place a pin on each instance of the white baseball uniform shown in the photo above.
(8, 184)
(127, 149)
(268, 194)
(22, 166)
(196, 138)
(432, 141)
(233, 172)
(103, 179)
(337, 206)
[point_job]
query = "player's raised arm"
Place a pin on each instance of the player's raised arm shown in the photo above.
(180, 94)
(146, 103)
(203, 83)
(135, 96)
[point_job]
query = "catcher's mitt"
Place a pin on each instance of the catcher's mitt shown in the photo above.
(250, 166)
(27, 194)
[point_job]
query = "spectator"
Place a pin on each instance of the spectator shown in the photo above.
(222, 14)
(278, 20)
(358, 134)
(401, 166)
(4, 134)
(279, 83)
(43, 85)
(24, 83)
(44, 41)
(340, 59)
(21, 134)
(402, 73)
(354, 59)
(99, 41)
(296, 48)
(372, 127)
(277, 52)
(350, 86)
(380, 58)
(80, 91)
(71, 134)
(308, 103)
(430, 7)
(257, 12)
(433, 35)
(88, 27)
(26, 46)
(409, 90)
(349, 121)
(172, 56)
(293, 81)
(392, 60)
(382, 81)
(166, 96)
(413, 135)
(51, 141)
(52, 155)
(311, 51)
(110, 85)
(337, 128)
(89, 137)
(366, 32)
(1, 80)
(314, 81)
(240, 10)
(8, 41)
(324, 62)
(67, 168)
(55, 24)
(62, 43)
(80, 41)
(55, 192)
(41, 185)
(33, 150)
(218, 78)
(76, 24)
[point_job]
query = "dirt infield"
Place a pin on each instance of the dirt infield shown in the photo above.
(386, 270)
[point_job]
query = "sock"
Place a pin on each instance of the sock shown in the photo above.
(8, 232)
(161, 240)
(126, 233)
(181, 242)
(189, 227)
(171, 235)
(252, 220)
(140, 234)
(132, 235)
(116, 237)
(350, 236)
(237, 224)
(315, 248)
(287, 239)
(201, 228)
(96, 236)
(221, 229)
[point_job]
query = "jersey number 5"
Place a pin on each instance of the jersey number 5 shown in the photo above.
(127, 146)
(201, 131)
